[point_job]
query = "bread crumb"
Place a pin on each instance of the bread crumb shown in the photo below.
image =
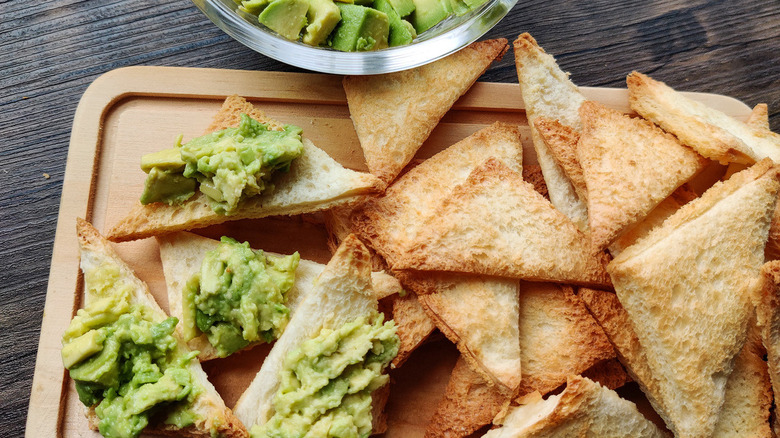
(46, 175)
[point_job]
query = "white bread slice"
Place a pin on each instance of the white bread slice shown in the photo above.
(497, 224)
(214, 416)
(395, 113)
(583, 409)
(745, 411)
(480, 315)
(548, 92)
(707, 130)
(182, 254)
(687, 287)
(768, 318)
(341, 294)
(314, 182)
(390, 223)
(629, 166)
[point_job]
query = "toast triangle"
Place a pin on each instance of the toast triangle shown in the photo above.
(701, 267)
(215, 417)
(521, 235)
(584, 408)
(710, 132)
(314, 182)
(548, 92)
(395, 113)
(629, 166)
(747, 402)
(562, 141)
(390, 223)
(341, 294)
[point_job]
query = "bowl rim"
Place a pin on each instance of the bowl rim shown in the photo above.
(443, 39)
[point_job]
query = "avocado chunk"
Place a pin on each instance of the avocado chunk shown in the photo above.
(459, 7)
(402, 7)
(323, 16)
(473, 4)
(361, 29)
(82, 347)
(167, 186)
(401, 31)
(254, 7)
(168, 159)
(429, 13)
(285, 17)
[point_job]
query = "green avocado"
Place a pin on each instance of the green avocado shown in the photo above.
(459, 7)
(401, 31)
(227, 166)
(254, 7)
(285, 17)
(323, 16)
(238, 296)
(125, 365)
(429, 13)
(361, 29)
(326, 383)
(402, 7)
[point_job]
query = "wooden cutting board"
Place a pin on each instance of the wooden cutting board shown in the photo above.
(136, 110)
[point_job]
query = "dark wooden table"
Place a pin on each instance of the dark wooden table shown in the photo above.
(51, 51)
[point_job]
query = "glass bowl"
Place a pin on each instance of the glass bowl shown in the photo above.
(437, 42)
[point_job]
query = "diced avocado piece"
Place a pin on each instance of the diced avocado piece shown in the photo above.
(400, 33)
(428, 13)
(361, 29)
(285, 17)
(102, 368)
(473, 4)
(323, 17)
(168, 159)
(82, 347)
(402, 7)
(459, 7)
(254, 7)
(167, 186)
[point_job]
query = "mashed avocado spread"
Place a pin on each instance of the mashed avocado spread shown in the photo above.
(124, 364)
(326, 384)
(227, 165)
(238, 296)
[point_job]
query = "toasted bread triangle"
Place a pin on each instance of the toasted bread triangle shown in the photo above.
(548, 92)
(584, 408)
(759, 117)
(390, 223)
(687, 287)
(314, 182)
(707, 130)
(745, 411)
(413, 326)
(395, 113)
(341, 294)
(480, 315)
(213, 415)
(519, 234)
(768, 318)
(629, 166)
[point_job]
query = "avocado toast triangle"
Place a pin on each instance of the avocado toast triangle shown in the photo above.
(341, 305)
(208, 414)
(395, 113)
(182, 255)
(314, 182)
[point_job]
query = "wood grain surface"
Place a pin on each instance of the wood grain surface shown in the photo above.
(51, 51)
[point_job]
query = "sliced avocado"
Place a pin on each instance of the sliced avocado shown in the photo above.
(459, 7)
(254, 7)
(82, 347)
(473, 4)
(361, 29)
(168, 159)
(400, 33)
(285, 17)
(402, 7)
(167, 186)
(323, 16)
(428, 13)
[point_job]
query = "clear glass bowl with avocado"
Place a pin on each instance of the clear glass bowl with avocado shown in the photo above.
(355, 36)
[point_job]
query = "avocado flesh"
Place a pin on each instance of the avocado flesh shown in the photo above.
(361, 29)
(254, 7)
(82, 347)
(285, 17)
(323, 16)
(429, 13)
(168, 159)
(402, 7)
(459, 7)
(401, 31)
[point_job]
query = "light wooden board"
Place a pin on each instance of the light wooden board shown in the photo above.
(132, 111)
